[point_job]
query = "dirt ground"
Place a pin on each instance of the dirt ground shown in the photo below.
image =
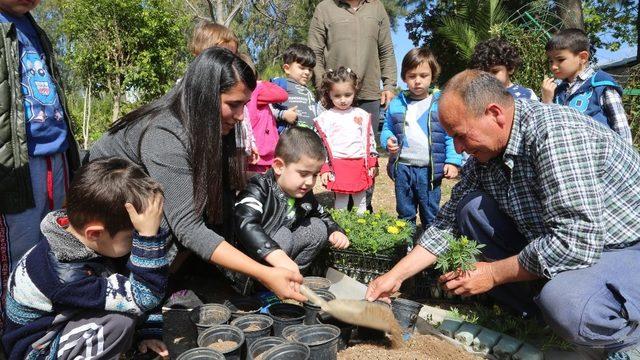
(420, 347)
(384, 197)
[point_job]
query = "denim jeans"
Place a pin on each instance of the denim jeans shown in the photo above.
(412, 194)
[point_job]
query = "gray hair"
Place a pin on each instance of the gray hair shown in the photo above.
(477, 89)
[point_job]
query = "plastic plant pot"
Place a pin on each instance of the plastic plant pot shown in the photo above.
(311, 310)
(321, 339)
(254, 327)
(406, 312)
(287, 332)
(217, 336)
(241, 306)
(287, 351)
(208, 315)
(284, 314)
(201, 354)
(260, 346)
(317, 283)
(345, 329)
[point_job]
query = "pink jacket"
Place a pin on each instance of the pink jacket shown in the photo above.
(263, 122)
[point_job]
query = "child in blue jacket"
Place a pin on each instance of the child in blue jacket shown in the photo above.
(421, 151)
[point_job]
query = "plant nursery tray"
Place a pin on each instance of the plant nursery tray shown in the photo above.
(364, 267)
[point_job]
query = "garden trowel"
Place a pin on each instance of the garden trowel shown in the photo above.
(356, 312)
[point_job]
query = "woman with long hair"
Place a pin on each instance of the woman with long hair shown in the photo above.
(186, 141)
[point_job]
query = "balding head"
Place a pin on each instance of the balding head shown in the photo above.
(477, 111)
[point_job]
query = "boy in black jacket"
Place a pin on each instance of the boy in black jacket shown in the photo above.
(277, 217)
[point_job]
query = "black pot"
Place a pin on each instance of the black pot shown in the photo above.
(288, 351)
(284, 314)
(317, 283)
(345, 329)
(224, 333)
(261, 346)
(406, 312)
(311, 310)
(201, 354)
(241, 306)
(321, 339)
(263, 324)
(287, 332)
(208, 315)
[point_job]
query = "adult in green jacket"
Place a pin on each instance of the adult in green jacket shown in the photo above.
(37, 150)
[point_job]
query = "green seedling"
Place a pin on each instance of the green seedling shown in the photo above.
(460, 256)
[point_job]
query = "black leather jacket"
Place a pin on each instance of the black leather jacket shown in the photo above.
(262, 209)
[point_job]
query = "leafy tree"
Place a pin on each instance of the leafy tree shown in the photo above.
(124, 45)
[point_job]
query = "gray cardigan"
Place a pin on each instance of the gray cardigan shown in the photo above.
(164, 155)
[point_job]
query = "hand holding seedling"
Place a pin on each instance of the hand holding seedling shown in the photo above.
(471, 282)
(339, 240)
(548, 89)
(147, 223)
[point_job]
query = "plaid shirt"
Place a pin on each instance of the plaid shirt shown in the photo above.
(611, 103)
(570, 186)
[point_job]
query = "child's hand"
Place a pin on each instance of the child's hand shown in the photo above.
(290, 115)
(147, 223)
(548, 89)
(339, 240)
(325, 178)
(451, 171)
(155, 345)
(373, 172)
(255, 156)
(392, 145)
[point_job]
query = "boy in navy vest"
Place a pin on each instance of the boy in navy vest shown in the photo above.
(421, 151)
(301, 107)
(500, 58)
(79, 293)
(592, 92)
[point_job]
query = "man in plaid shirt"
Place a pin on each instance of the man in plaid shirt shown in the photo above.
(554, 195)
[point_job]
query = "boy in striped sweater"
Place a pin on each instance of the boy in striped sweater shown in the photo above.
(100, 265)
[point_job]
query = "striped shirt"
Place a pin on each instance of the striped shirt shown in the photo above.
(569, 184)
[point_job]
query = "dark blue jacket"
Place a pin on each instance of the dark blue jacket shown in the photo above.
(441, 145)
(587, 98)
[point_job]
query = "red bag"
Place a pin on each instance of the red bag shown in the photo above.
(350, 176)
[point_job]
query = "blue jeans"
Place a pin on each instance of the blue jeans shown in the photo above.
(594, 307)
(412, 193)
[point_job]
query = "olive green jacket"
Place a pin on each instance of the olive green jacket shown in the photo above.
(16, 193)
(359, 40)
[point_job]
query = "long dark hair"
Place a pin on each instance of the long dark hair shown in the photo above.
(195, 101)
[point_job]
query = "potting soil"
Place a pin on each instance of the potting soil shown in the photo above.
(223, 345)
(419, 347)
(252, 327)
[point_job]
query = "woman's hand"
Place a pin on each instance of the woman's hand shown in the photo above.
(283, 282)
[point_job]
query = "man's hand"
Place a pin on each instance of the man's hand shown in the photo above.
(148, 222)
(283, 282)
(155, 345)
(255, 155)
(469, 283)
(386, 97)
(382, 287)
(290, 115)
(373, 172)
(392, 145)
(324, 178)
(548, 89)
(339, 240)
(451, 171)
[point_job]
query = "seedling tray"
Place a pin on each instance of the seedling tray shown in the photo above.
(362, 266)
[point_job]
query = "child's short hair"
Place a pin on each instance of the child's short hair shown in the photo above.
(300, 53)
(208, 34)
(495, 52)
(100, 189)
(299, 141)
(574, 40)
(418, 56)
(332, 77)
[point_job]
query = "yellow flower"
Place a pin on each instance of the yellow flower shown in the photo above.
(374, 223)
(378, 216)
(362, 221)
(464, 240)
(401, 223)
(347, 230)
(393, 230)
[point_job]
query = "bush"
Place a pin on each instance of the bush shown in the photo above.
(373, 233)
(632, 104)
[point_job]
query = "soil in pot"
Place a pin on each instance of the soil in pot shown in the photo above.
(418, 348)
(222, 345)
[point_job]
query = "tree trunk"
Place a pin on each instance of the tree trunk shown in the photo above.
(86, 117)
(570, 12)
(219, 12)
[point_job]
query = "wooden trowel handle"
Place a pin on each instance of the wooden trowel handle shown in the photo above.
(312, 296)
